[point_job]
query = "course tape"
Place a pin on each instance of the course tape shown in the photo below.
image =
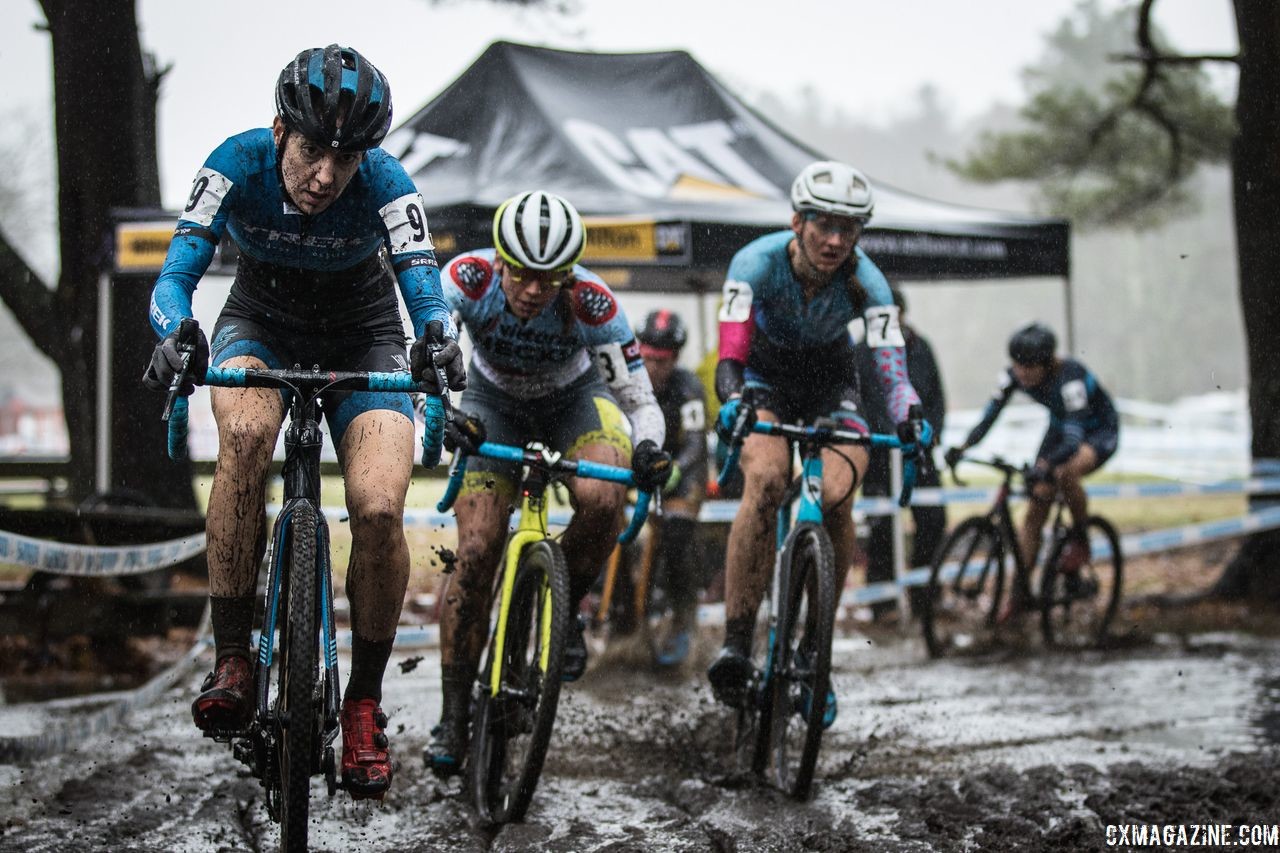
(1132, 544)
(61, 558)
(77, 728)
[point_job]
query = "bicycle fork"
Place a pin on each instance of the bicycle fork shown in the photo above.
(531, 530)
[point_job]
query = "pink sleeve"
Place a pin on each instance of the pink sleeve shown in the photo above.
(735, 338)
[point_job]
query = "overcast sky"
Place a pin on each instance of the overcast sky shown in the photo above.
(862, 57)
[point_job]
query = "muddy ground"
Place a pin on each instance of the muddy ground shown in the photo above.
(1025, 750)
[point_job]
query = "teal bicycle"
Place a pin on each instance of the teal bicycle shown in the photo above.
(290, 738)
(789, 700)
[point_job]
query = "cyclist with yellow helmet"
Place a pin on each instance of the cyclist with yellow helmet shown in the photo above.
(554, 360)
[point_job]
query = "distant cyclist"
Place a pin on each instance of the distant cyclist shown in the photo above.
(1084, 431)
(785, 350)
(683, 402)
(316, 209)
(554, 360)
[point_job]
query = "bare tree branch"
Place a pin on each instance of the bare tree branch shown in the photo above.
(31, 302)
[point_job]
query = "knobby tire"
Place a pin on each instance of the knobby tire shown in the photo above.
(800, 674)
(1082, 620)
(958, 612)
(512, 731)
(298, 740)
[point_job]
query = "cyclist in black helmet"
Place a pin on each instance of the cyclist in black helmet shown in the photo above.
(1084, 431)
(683, 402)
(316, 209)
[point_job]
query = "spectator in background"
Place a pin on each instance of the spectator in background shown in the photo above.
(930, 521)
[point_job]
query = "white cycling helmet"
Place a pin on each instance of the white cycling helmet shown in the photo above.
(830, 187)
(539, 231)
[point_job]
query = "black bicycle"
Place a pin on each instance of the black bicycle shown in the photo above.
(962, 606)
(290, 738)
(788, 707)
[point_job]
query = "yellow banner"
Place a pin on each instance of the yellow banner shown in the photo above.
(142, 246)
(619, 240)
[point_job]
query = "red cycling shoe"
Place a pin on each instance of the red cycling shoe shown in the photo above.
(225, 703)
(1076, 554)
(366, 759)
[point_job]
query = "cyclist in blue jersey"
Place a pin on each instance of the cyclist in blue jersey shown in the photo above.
(554, 360)
(786, 353)
(324, 219)
(1084, 431)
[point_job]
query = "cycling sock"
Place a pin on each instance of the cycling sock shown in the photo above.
(578, 589)
(455, 688)
(232, 618)
(368, 663)
(679, 537)
(737, 634)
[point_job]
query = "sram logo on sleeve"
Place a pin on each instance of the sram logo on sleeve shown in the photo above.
(736, 304)
(882, 327)
(406, 224)
(207, 192)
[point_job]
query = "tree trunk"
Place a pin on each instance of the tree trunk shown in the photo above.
(104, 121)
(1255, 163)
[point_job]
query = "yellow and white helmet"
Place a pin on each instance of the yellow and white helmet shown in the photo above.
(539, 230)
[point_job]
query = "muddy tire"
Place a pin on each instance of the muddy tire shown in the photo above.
(800, 671)
(1077, 608)
(959, 606)
(511, 730)
(298, 739)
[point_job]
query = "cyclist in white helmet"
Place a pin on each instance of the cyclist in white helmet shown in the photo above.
(554, 360)
(786, 352)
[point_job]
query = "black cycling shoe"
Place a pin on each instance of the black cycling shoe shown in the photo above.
(448, 747)
(730, 675)
(575, 652)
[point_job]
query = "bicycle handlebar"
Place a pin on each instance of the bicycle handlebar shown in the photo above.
(996, 462)
(551, 462)
(827, 435)
(298, 381)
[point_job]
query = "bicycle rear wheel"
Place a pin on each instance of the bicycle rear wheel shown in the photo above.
(1076, 607)
(799, 675)
(512, 729)
(959, 606)
(298, 734)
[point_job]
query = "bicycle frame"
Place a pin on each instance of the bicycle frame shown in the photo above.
(540, 465)
(1002, 516)
(807, 487)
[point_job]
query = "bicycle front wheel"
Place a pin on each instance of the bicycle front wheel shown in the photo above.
(800, 667)
(958, 608)
(511, 730)
(1078, 604)
(297, 723)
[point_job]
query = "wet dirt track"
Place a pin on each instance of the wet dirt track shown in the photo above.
(1037, 751)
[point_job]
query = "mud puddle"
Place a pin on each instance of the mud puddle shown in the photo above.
(1037, 751)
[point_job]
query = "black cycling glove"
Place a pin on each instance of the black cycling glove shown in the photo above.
(447, 354)
(463, 431)
(166, 362)
(651, 465)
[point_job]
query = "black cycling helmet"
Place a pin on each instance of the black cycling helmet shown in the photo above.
(1034, 344)
(324, 84)
(663, 329)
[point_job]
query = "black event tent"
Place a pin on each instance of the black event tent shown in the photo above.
(673, 173)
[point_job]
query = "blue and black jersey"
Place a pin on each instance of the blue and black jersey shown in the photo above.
(297, 269)
(1079, 409)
